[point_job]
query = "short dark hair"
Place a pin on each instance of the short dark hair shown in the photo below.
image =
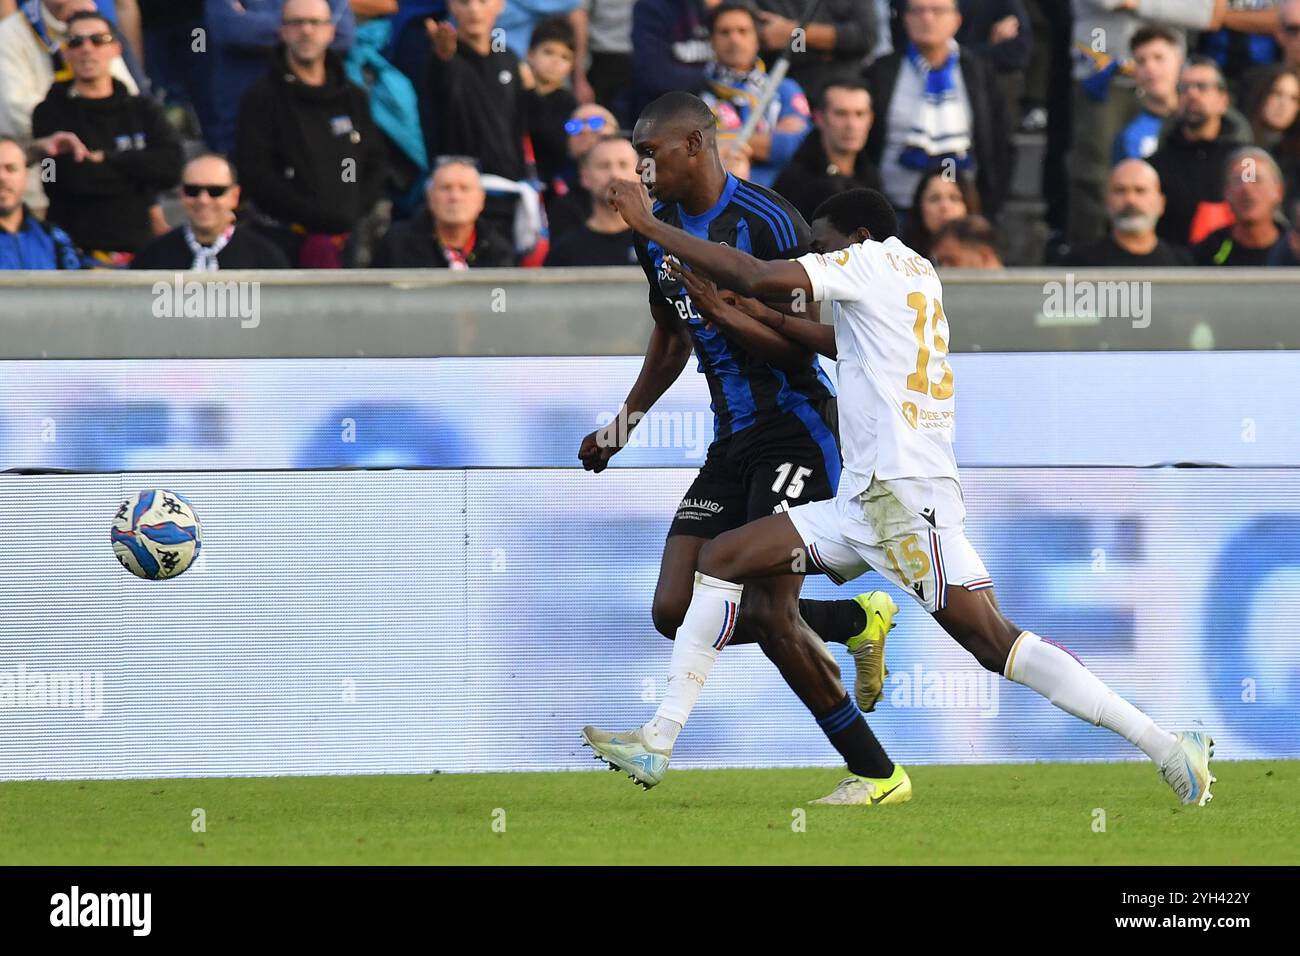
(1200, 59)
(680, 106)
(856, 208)
(845, 84)
(972, 230)
(553, 30)
(730, 6)
(1151, 32)
(81, 15)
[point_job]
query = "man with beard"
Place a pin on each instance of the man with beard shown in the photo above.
(25, 241)
(1192, 157)
(1134, 204)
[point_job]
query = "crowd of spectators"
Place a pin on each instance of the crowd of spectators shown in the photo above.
(460, 134)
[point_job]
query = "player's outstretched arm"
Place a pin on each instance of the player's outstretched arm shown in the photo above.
(821, 339)
(728, 267)
(665, 357)
(758, 338)
(810, 335)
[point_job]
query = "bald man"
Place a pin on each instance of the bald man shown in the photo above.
(570, 207)
(603, 239)
(448, 233)
(210, 239)
(312, 160)
(1134, 204)
(242, 35)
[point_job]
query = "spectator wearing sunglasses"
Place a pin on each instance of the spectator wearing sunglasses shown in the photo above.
(312, 160)
(1193, 155)
(32, 58)
(210, 239)
(568, 202)
(104, 199)
(449, 232)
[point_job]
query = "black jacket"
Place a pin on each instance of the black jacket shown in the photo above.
(990, 128)
(809, 177)
(977, 19)
(106, 205)
(310, 155)
(245, 250)
(1191, 173)
(477, 108)
(546, 117)
(410, 245)
(856, 33)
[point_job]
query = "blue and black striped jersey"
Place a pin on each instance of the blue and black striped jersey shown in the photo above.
(745, 390)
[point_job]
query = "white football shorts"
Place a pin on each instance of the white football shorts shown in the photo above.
(910, 530)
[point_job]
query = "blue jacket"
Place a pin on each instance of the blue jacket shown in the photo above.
(670, 44)
(37, 245)
(241, 45)
(520, 17)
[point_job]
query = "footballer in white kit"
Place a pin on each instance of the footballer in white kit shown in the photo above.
(899, 507)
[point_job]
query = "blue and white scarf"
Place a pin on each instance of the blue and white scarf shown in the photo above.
(35, 15)
(742, 89)
(941, 128)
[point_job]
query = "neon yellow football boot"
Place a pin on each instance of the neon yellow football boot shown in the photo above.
(870, 791)
(868, 649)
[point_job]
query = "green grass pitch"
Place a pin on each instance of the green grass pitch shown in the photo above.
(1024, 813)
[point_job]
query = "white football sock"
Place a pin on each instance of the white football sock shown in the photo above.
(708, 625)
(1058, 676)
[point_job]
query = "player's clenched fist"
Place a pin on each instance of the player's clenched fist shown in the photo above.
(599, 447)
(631, 201)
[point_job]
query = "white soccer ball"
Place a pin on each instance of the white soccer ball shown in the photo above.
(156, 534)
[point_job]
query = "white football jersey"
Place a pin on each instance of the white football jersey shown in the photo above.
(895, 384)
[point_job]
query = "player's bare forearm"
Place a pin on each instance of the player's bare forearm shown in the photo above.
(752, 331)
(808, 334)
(729, 267)
(822, 340)
(760, 340)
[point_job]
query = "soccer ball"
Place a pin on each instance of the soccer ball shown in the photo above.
(156, 534)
